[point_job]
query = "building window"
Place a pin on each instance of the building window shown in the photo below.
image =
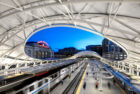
(46, 54)
(42, 54)
(36, 54)
(29, 52)
(39, 54)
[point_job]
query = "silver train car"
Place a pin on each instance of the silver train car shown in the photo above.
(45, 85)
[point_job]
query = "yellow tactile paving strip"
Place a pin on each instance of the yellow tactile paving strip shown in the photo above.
(79, 87)
(11, 76)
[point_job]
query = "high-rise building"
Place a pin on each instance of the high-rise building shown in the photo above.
(112, 51)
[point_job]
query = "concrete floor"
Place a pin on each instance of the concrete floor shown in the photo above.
(90, 86)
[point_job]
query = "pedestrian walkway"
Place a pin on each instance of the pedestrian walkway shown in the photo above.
(91, 89)
(61, 87)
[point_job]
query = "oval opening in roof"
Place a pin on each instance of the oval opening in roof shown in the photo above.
(62, 42)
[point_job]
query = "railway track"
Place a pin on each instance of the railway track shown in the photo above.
(72, 87)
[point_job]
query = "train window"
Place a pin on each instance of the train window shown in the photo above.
(55, 75)
(38, 63)
(30, 64)
(2, 67)
(43, 62)
(135, 72)
(21, 65)
(119, 66)
(31, 88)
(40, 92)
(127, 69)
(40, 84)
(52, 76)
(124, 68)
(20, 92)
(12, 66)
(46, 80)
(49, 61)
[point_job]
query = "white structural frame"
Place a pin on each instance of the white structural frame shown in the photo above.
(109, 17)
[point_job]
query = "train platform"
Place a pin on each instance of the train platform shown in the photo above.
(61, 87)
(135, 80)
(91, 89)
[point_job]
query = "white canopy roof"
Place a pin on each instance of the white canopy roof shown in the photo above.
(86, 53)
(118, 20)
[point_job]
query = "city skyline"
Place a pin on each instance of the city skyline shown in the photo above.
(63, 39)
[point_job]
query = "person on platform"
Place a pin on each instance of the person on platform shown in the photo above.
(84, 85)
(87, 73)
(109, 85)
(96, 84)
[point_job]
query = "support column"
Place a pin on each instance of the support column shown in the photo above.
(137, 70)
(118, 65)
(17, 69)
(123, 66)
(25, 64)
(34, 64)
(5, 70)
(130, 69)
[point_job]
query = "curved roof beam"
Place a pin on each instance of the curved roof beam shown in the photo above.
(35, 5)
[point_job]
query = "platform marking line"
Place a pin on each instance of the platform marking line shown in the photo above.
(79, 88)
(120, 88)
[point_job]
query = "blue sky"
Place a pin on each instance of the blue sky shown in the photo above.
(62, 37)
